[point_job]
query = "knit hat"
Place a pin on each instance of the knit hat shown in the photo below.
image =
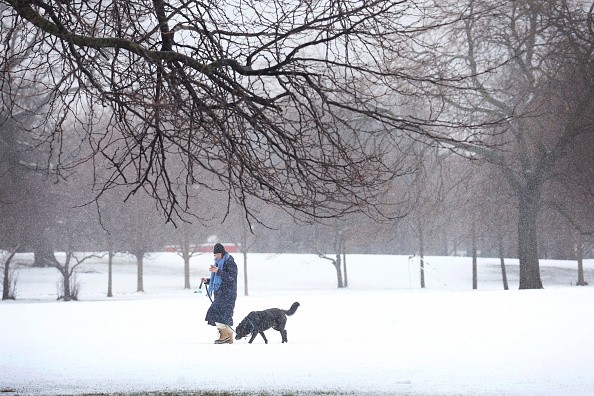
(218, 248)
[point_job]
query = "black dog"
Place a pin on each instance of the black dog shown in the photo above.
(258, 321)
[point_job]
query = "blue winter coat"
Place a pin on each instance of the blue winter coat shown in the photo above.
(221, 310)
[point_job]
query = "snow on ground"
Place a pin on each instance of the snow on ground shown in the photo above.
(381, 336)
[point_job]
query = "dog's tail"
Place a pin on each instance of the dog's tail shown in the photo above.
(293, 308)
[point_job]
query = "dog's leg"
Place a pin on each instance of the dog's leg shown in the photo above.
(263, 336)
(284, 335)
(252, 337)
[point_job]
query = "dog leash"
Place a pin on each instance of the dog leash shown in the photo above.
(212, 302)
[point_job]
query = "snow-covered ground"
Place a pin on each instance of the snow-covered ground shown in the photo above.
(383, 335)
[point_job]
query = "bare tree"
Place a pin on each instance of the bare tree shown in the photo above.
(188, 237)
(485, 196)
(527, 59)
(571, 197)
(429, 188)
(140, 238)
(239, 230)
(264, 96)
(580, 220)
(246, 237)
(129, 226)
(336, 231)
(111, 215)
(498, 215)
(69, 286)
(66, 237)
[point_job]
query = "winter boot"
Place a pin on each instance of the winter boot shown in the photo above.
(226, 337)
(222, 337)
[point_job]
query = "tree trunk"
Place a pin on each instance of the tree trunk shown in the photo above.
(502, 261)
(66, 275)
(338, 266)
(341, 256)
(187, 251)
(110, 273)
(421, 254)
(186, 270)
(338, 261)
(474, 261)
(344, 266)
(579, 252)
(6, 292)
(140, 272)
(6, 281)
(245, 274)
(527, 240)
(66, 286)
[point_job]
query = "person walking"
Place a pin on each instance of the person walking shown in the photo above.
(223, 289)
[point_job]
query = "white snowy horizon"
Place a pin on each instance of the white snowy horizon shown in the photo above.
(383, 335)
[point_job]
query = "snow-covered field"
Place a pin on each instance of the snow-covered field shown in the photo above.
(381, 336)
